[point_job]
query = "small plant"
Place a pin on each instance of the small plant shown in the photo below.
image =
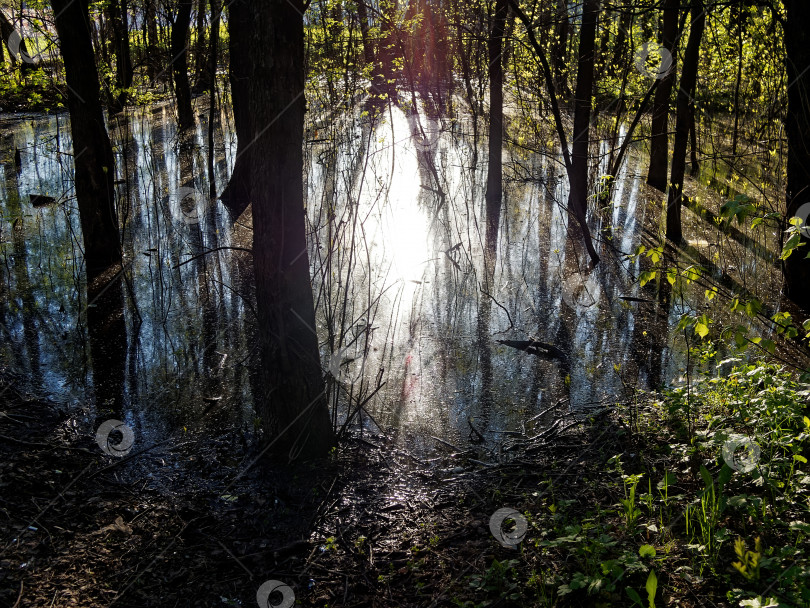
(749, 562)
(631, 511)
(651, 587)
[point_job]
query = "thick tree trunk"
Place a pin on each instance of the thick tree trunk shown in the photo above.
(236, 195)
(293, 405)
(797, 128)
(686, 92)
(659, 141)
(93, 157)
(495, 168)
(179, 43)
(578, 175)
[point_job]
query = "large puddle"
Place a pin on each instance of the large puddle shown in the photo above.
(395, 209)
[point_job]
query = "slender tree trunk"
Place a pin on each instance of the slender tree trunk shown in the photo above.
(201, 57)
(740, 25)
(797, 127)
(293, 406)
(153, 44)
(368, 48)
(93, 157)
(686, 92)
(558, 55)
(693, 145)
(578, 175)
(236, 195)
(659, 141)
(494, 192)
(123, 60)
(179, 44)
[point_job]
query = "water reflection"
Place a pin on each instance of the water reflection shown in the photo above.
(395, 207)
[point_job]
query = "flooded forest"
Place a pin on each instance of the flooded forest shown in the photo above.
(405, 303)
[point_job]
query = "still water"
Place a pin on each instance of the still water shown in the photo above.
(396, 216)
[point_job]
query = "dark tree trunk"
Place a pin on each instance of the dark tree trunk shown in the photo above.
(558, 54)
(293, 406)
(153, 43)
(797, 127)
(120, 44)
(236, 195)
(93, 157)
(659, 140)
(578, 175)
(179, 43)
(693, 144)
(202, 80)
(494, 169)
(368, 48)
(686, 92)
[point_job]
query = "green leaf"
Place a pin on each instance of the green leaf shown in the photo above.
(645, 277)
(753, 307)
(707, 477)
(646, 551)
(651, 587)
(634, 596)
(800, 458)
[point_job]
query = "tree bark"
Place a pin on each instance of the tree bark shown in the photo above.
(150, 16)
(494, 192)
(659, 141)
(686, 92)
(179, 44)
(578, 175)
(797, 126)
(293, 407)
(236, 195)
(93, 161)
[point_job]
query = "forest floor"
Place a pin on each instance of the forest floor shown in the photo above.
(606, 503)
